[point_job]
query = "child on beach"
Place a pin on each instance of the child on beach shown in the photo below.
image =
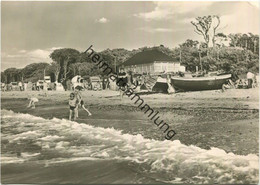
(81, 102)
(83, 106)
(33, 100)
(73, 102)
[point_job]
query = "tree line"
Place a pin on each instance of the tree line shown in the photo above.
(240, 55)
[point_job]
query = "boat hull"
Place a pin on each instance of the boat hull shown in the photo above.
(199, 83)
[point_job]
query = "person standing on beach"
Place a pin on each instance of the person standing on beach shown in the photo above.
(122, 81)
(3, 86)
(37, 86)
(80, 101)
(108, 83)
(73, 102)
(45, 88)
(250, 76)
(255, 81)
(20, 86)
(25, 86)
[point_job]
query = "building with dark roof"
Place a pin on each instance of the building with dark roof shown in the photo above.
(152, 61)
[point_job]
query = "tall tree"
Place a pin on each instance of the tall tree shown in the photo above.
(234, 39)
(190, 43)
(64, 57)
(206, 26)
(34, 71)
(12, 75)
(220, 39)
(3, 77)
(202, 27)
(54, 68)
(247, 41)
(253, 43)
(215, 25)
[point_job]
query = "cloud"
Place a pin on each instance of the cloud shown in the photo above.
(22, 51)
(156, 30)
(166, 10)
(238, 22)
(102, 20)
(157, 14)
(37, 54)
(254, 3)
(53, 48)
(22, 58)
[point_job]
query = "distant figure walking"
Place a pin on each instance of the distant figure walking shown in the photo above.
(250, 76)
(32, 102)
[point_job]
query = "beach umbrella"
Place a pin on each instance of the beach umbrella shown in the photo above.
(75, 79)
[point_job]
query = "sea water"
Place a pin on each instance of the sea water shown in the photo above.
(27, 139)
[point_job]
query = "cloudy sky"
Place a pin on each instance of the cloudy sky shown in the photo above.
(32, 30)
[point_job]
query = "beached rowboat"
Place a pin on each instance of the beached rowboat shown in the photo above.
(199, 83)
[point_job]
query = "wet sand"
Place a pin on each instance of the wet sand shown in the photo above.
(83, 172)
(206, 119)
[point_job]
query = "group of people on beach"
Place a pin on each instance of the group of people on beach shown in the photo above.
(128, 79)
(123, 79)
(75, 102)
(26, 86)
(235, 82)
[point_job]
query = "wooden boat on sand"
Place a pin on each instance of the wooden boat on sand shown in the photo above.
(199, 83)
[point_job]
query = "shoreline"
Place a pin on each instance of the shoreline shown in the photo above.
(225, 120)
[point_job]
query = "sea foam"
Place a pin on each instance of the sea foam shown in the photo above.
(60, 140)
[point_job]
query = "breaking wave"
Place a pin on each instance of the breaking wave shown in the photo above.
(29, 138)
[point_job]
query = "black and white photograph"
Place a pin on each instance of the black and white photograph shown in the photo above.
(130, 92)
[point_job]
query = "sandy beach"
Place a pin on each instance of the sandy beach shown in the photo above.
(208, 119)
(204, 119)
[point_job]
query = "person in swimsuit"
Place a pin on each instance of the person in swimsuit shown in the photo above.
(80, 101)
(73, 102)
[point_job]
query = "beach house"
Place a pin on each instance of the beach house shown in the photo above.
(152, 61)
